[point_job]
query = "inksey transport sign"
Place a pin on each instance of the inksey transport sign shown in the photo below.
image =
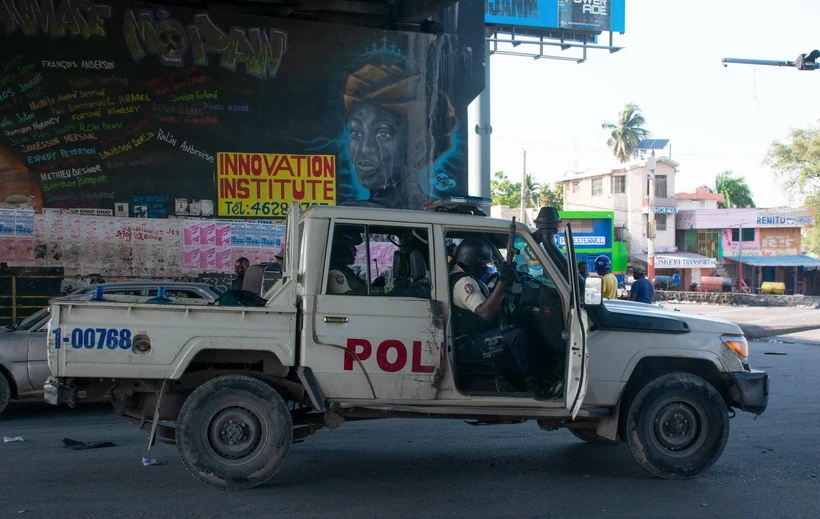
(581, 15)
(139, 109)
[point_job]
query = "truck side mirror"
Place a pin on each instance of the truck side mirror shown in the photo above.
(593, 291)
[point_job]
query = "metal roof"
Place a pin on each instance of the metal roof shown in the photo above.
(776, 261)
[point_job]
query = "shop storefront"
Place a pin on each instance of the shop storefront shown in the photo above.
(688, 266)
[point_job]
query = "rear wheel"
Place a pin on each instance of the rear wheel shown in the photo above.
(234, 432)
(677, 426)
(591, 437)
(5, 392)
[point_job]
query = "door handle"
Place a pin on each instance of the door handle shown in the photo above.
(336, 320)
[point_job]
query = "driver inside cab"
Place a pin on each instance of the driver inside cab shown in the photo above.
(477, 312)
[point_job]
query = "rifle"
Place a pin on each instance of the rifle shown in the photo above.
(511, 250)
(508, 306)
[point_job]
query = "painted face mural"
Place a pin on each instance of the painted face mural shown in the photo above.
(378, 144)
(398, 126)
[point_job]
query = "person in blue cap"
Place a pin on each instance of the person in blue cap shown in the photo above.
(603, 266)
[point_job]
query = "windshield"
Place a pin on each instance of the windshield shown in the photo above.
(32, 320)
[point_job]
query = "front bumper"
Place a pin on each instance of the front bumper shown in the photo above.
(750, 391)
(57, 392)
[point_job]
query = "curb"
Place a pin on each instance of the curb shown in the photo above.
(753, 331)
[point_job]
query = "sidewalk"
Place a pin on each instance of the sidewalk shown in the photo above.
(758, 322)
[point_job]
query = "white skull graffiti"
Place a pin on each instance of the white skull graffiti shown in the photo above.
(173, 42)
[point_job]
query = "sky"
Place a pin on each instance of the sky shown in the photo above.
(716, 117)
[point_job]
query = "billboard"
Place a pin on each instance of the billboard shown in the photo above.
(578, 15)
(145, 110)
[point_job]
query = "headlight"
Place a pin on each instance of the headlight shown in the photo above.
(738, 344)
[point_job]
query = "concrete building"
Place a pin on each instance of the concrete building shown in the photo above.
(625, 192)
(766, 244)
(702, 198)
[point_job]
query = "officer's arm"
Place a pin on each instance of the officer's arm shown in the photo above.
(490, 306)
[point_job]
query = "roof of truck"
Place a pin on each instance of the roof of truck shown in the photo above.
(406, 216)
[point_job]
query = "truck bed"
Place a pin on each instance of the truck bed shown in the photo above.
(177, 333)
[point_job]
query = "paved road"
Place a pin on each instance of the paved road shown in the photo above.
(427, 468)
(773, 316)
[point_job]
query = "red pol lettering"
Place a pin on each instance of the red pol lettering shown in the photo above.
(363, 350)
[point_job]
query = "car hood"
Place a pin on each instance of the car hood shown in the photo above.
(696, 323)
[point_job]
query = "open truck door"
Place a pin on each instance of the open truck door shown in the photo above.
(293, 243)
(577, 375)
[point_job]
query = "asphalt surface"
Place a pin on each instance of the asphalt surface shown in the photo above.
(427, 468)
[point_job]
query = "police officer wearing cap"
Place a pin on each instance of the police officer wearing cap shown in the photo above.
(476, 311)
(342, 279)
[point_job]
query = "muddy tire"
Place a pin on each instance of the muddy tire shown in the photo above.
(677, 426)
(234, 432)
(589, 436)
(5, 392)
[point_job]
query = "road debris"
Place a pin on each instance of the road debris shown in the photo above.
(82, 446)
(148, 462)
(9, 439)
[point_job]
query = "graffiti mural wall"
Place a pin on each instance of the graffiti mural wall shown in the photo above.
(149, 111)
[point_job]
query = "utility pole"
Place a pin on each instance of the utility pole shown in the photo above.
(650, 218)
(739, 255)
(523, 190)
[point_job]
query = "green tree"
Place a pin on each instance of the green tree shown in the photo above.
(798, 163)
(626, 133)
(735, 191)
(553, 196)
(506, 192)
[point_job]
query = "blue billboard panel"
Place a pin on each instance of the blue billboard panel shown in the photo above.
(578, 15)
(522, 13)
(599, 238)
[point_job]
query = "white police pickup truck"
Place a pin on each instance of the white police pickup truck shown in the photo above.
(234, 386)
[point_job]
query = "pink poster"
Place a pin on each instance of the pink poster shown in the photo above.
(223, 234)
(7, 247)
(238, 252)
(223, 259)
(191, 259)
(191, 233)
(207, 258)
(255, 255)
(207, 233)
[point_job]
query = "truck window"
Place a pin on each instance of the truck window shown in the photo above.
(379, 260)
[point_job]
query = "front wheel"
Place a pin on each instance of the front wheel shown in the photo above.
(677, 426)
(234, 432)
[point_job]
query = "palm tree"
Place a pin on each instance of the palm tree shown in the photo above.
(532, 195)
(735, 191)
(626, 133)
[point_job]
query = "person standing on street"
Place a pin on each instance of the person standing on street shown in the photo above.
(583, 269)
(603, 266)
(240, 267)
(642, 289)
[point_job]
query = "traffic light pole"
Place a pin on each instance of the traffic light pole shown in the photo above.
(803, 61)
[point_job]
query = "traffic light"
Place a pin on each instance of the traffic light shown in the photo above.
(807, 61)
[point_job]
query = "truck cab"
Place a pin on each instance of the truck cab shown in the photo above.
(361, 327)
